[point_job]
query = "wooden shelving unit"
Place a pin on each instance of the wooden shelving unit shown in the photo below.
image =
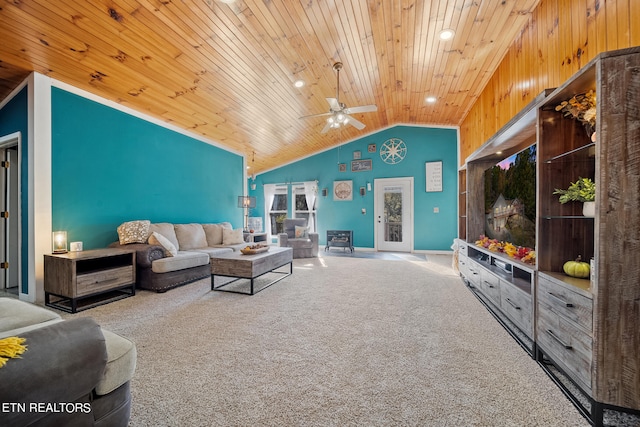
(590, 329)
(586, 331)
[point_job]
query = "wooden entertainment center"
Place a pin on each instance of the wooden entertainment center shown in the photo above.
(584, 332)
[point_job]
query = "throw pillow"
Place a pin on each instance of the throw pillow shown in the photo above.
(301, 232)
(191, 236)
(133, 232)
(213, 232)
(160, 240)
(232, 237)
(167, 230)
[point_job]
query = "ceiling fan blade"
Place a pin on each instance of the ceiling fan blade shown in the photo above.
(326, 128)
(315, 115)
(355, 123)
(334, 104)
(361, 109)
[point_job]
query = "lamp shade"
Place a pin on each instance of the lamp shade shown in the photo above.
(246, 202)
(59, 241)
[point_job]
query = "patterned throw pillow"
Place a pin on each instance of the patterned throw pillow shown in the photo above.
(301, 232)
(133, 232)
(158, 239)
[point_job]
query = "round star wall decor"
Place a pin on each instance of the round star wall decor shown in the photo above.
(393, 151)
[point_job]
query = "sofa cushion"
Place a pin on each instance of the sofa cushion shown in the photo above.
(167, 230)
(232, 237)
(213, 251)
(213, 232)
(158, 239)
(190, 236)
(300, 243)
(16, 314)
(184, 259)
(133, 232)
(121, 363)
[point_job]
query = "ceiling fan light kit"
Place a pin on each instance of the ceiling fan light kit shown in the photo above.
(339, 114)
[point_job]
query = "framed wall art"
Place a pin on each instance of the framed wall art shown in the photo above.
(434, 176)
(342, 190)
(361, 165)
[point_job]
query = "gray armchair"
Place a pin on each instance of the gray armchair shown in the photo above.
(305, 246)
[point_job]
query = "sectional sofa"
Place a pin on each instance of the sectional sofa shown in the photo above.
(170, 255)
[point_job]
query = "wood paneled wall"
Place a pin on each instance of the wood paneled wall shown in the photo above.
(559, 39)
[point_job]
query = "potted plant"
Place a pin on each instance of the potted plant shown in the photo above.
(583, 190)
(582, 107)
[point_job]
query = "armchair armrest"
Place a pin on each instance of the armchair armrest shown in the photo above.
(145, 253)
(283, 240)
(63, 363)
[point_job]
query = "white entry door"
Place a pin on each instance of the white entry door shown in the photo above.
(394, 214)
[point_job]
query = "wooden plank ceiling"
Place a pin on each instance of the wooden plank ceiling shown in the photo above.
(227, 71)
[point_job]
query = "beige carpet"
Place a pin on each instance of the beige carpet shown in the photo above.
(341, 342)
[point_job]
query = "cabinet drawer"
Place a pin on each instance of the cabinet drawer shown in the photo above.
(462, 248)
(517, 306)
(474, 273)
(490, 286)
(90, 283)
(565, 302)
(570, 347)
(463, 265)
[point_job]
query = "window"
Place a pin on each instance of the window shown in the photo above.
(305, 195)
(301, 204)
(278, 211)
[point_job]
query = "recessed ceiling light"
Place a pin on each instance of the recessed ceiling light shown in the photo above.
(430, 99)
(298, 83)
(446, 34)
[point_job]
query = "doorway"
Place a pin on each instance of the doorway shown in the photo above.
(393, 211)
(9, 213)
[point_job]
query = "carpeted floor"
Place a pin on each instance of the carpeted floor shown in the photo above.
(342, 342)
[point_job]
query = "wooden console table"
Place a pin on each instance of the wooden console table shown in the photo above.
(82, 280)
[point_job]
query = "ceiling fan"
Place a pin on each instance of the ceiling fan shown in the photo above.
(339, 114)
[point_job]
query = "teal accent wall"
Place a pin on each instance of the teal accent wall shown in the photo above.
(432, 231)
(109, 167)
(14, 117)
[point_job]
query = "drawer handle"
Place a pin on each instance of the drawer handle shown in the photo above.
(560, 300)
(489, 284)
(513, 304)
(555, 337)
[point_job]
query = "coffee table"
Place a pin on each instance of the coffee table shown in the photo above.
(250, 267)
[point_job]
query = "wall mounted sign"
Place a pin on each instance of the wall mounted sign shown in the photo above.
(372, 148)
(342, 190)
(434, 176)
(361, 165)
(357, 155)
(342, 167)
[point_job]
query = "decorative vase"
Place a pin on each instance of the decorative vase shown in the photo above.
(589, 209)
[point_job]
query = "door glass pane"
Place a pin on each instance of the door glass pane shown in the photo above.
(393, 214)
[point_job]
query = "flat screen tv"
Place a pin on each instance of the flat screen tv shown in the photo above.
(510, 199)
